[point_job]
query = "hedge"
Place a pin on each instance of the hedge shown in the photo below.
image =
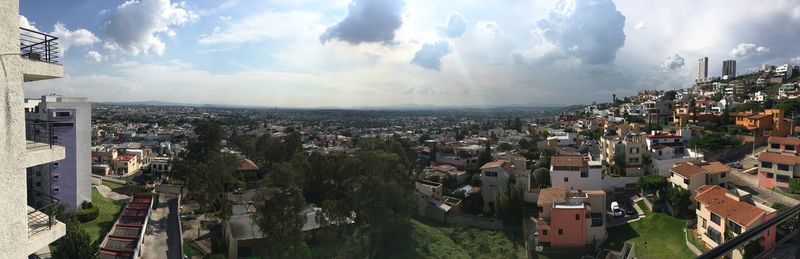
(88, 214)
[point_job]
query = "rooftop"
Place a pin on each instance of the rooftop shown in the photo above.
(778, 158)
(571, 161)
(714, 198)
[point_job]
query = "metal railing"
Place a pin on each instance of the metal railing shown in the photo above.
(751, 233)
(42, 219)
(39, 131)
(35, 45)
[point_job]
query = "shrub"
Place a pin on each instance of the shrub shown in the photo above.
(794, 185)
(87, 205)
(87, 214)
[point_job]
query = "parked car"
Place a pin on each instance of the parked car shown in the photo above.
(189, 216)
(616, 210)
(736, 165)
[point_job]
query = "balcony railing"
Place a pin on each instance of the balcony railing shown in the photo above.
(42, 219)
(38, 46)
(751, 233)
(39, 131)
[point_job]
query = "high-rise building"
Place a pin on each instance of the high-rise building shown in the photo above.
(729, 68)
(703, 68)
(26, 56)
(69, 179)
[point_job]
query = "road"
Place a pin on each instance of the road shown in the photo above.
(750, 183)
(162, 239)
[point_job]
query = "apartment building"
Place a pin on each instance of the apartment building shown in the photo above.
(629, 148)
(658, 111)
(576, 173)
(494, 179)
(723, 214)
(787, 145)
(26, 56)
(70, 118)
(692, 175)
(570, 219)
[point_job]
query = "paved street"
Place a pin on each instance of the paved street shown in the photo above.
(162, 238)
(750, 183)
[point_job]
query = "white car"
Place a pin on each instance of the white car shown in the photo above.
(616, 210)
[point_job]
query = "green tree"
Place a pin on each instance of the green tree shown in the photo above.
(542, 177)
(503, 147)
(485, 156)
(679, 199)
(76, 244)
(794, 185)
(652, 183)
(790, 223)
(669, 95)
(509, 205)
(279, 210)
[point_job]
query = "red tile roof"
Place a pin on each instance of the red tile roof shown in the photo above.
(778, 158)
(784, 141)
(493, 164)
(687, 170)
(714, 199)
(716, 167)
(125, 157)
(247, 165)
(575, 161)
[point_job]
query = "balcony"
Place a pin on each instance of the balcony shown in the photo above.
(43, 228)
(39, 144)
(39, 54)
(786, 244)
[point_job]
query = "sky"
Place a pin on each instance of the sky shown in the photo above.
(375, 53)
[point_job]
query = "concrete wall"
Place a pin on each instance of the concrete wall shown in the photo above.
(574, 181)
(12, 137)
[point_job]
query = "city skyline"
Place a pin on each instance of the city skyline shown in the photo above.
(364, 53)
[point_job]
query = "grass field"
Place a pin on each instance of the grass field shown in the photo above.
(643, 206)
(109, 209)
(434, 240)
(112, 185)
(663, 234)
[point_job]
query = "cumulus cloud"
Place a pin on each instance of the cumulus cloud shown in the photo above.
(795, 60)
(673, 63)
(264, 26)
(747, 49)
(136, 25)
(367, 21)
(431, 54)
(639, 25)
(68, 39)
(93, 56)
(455, 26)
(590, 30)
(489, 27)
(24, 23)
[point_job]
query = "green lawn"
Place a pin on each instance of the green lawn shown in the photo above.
(690, 234)
(643, 206)
(109, 209)
(663, 234)
(434, 240)
(112, 185)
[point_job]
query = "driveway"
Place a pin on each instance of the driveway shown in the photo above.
(162, 237)
(749, 183)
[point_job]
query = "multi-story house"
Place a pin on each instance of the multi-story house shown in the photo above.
(70, 117)
(26, 56)
(658, 111)
(788, 145)
(777, 169)
(723, 214)
(627, 150)
(692, 175)
(495, 177)
(769, 122)
(576, 173)
(570, 219)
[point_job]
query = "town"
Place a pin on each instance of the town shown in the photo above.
(710, 169)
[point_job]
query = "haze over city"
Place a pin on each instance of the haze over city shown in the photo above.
(353, 53)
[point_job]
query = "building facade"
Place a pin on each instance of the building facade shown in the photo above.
(570, 219)
(703, 68)
(729, 68)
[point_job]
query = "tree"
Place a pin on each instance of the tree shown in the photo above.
(76, 244)
(502, 147)
(652, 183)
(790, 223)
(679, 199)
(485, 156)
(508, 205)
(473, 203)
(669, 95)
(542, 177)
(279, 210)
(794, 185)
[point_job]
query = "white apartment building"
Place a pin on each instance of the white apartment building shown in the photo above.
(576, 173)
(70, 118)
(25, 56)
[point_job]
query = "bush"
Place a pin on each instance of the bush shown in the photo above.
(794, 185)
(87, 214)
(87, 205)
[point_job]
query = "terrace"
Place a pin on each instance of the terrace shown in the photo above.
(38, 46)
(39, 144)
(43, 228)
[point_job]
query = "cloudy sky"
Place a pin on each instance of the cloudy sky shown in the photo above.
(349, 53)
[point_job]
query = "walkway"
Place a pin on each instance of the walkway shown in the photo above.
(162, 238)
(108, 193)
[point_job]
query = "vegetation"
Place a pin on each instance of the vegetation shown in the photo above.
(794, 185)
(643, 206)
(664, 235)
(679, 199)
(790, 223)
(77, 243)
(652, 183)
(714, 141)
(509, 205)
(542, 177)
(88, 212)
(112, 185)
(109, 209)
(433, 240)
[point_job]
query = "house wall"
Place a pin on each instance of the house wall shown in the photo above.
(574, 181)
(661, 167)
(573, 230)
(491, 185)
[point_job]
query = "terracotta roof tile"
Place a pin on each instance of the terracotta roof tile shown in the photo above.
(778, 158)
(576, 161)
(687, 170)
(714, 199)
(247, 165)
(716, 167)
(784, 140)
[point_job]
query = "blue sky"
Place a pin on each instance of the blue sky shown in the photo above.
(349, 53)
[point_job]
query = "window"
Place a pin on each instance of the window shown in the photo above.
(783, 167)
(735, 228)
(584, 174)
(541, 209)
(766, 164)
(722, 175)
(634, 160)
(560, 231)
(490, 174)
(704, 223)
(56, 189)
(770, 175)
(686, 181)
(577, 216)
(783, 178)
(544, 232)
(775, 146)
(714, 218)
(63, 114)
(634, 150)
(789, 147)
(566, 179)
(55, 177)
(55, 165)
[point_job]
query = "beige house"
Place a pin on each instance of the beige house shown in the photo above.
(723, 214)
(127, 163)
(631, 147)
(692, 175)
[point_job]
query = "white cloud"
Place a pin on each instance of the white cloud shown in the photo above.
(795, 60)
(93, 56)
(639, 25)
(136, 25)
(264, 26)
(24, 23)
(489, 28)
(431, 54)
(747, 49)
(68, 39)
(673, 63)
